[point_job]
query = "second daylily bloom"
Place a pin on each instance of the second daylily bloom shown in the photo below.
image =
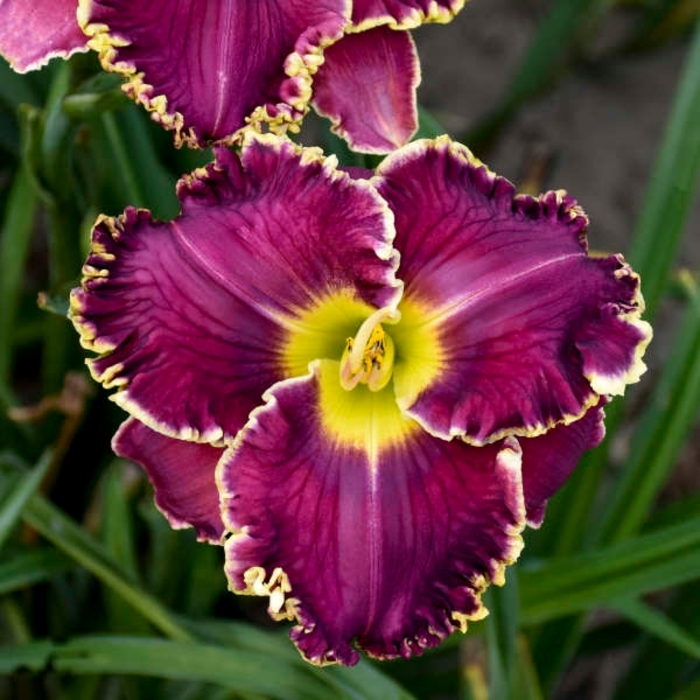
(373, 385)
(205, 68)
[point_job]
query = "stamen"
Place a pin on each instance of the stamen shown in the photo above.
(369, 357)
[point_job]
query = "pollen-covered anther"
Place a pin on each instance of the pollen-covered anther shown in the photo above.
(368, 358)
(276, 588)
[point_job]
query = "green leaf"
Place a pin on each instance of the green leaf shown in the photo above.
(361, 681)
(27, 568)
(661, 434)
(154, 181)
(242, 671)
(632, 568)
(690, 692)
(511, 671)
(15, 89)
(15, 236)
(13, 504)
(241, 635)
(554, 646)
(34, 657)
(172, 554)
(659, 669)
(529, 687)
(100, 93)
(51, 142)
(364, 681)
(32, 127)
(58, 139)
(117, 524)
(502, 634)
(124, 161)
(657, 624)
(675, 513)
(9, 135)
(16, 628)
(117, 533)
(61, 531)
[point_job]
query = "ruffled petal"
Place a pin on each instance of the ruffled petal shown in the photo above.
(182, 474)
(33, 32)
(191, 317)
(367, 87)
(530, 330)
(203, 67)
(550, 459)
(403, 14)
(362, 527)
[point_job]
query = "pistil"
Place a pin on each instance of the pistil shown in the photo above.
(368, 358)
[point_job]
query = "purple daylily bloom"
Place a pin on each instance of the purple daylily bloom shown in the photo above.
(373, 384)
(206, 68)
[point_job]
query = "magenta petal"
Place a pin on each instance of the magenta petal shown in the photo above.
(202, 67)
(367, 87)
(34, 31)
(189, 317)
(549, 459)
(182, 474)
(404, 14)
(613, 343)
(531, 330)
(389, 548)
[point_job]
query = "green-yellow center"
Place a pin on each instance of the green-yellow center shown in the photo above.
(372, 364)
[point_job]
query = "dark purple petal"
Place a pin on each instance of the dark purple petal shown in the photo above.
(34, 31)
(549, 459)
(191, 317)
(182, 474)
(403, 14)
(367, 87)
(361, 526)
(202, 67)
(530, 330)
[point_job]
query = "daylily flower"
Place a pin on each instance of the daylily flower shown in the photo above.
(204, 68)
(372, 384)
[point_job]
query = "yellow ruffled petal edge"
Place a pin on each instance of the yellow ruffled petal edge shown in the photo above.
(435, 14)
